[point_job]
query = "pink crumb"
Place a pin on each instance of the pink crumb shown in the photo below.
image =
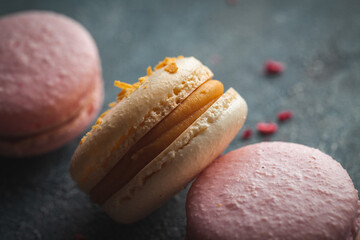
(267, 128)
(79, 237)
(231, 2)
(274, 67)
(284, 115)
(246, 134)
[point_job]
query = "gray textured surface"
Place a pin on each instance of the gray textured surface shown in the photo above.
(318, 41)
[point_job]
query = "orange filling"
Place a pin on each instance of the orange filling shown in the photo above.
(156, 140)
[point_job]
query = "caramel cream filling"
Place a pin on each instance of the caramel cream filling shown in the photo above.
(156, 140)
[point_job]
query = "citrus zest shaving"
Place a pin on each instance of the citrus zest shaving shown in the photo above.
(171, 68)
(122, 85)
(149, 71)
(104, 113)
(112, 104)
(137, 85)
(142, 79)
(127, 89)
(96, 125)
(82, 139)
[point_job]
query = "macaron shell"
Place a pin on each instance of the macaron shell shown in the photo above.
(132, 118)
(57, 136)
(48, 65)
(272, 190)
(177, 165)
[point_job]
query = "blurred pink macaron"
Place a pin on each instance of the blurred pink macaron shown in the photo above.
(273, 190)
(51, 86)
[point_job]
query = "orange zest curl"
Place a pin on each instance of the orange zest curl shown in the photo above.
(96, 125)
(171, 68)
(82, 140)
(142, 79)
(167, 61)
(127, 89)
(122, 85)
(104, 114)
(149, 71)
(112, 104)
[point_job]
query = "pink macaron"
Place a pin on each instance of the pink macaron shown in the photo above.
(51, 86)
(273, 190)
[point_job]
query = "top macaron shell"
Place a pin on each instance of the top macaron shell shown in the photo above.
(48, 64)
(273, 190)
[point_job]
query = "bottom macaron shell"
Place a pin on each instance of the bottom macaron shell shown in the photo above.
(58, 136)
(177, 165)
(273, 190)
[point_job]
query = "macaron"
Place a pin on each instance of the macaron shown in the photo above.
(51, 86)
(273, 190)
(161, 133)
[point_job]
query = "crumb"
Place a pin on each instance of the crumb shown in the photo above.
(273, 67)
(79, 237)
(284, 115)
(246, 134)
(231, 2)
(267, 128)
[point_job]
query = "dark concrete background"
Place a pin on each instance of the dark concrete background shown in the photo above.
(319, 41)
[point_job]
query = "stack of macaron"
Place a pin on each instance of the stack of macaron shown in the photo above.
(50, 82)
